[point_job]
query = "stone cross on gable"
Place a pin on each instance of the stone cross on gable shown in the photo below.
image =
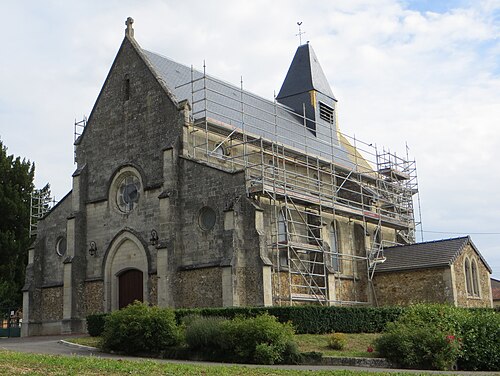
(129, 30)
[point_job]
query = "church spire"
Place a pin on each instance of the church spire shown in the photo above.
(305, 74)
(307, 91)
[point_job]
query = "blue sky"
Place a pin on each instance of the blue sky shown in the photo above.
(422, 72)
(434, 5)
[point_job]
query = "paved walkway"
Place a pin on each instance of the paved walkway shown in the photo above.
(52, 345)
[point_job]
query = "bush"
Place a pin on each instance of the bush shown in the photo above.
(426, 336)
(420, 347)
(139, 328)
(204, 333)
(481, 341)
(337, 341)
(95, 323)
(260, 339)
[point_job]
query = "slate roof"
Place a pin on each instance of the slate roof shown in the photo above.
(225, 101)
(305, 74)
(437, 253)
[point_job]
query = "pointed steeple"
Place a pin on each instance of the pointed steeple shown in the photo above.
(305, 74)
(307, 91)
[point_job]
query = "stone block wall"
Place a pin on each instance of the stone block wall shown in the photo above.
(463, 298)
(94, 295)
(199, 288)
(52, 304)
(414, 286)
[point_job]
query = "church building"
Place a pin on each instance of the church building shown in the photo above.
(192, 192)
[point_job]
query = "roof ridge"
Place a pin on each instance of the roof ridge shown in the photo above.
(427, 242)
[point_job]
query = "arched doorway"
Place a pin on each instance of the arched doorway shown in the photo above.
(130, 287)
(125, 272)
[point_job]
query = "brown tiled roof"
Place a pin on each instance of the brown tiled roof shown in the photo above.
(433, 254)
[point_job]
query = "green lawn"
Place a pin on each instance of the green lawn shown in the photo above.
(357, 344)
(13, 363)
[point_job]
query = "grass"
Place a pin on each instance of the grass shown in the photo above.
(357, 344)
(14, 363)
(86, 341)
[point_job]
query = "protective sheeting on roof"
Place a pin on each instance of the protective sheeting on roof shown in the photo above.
(214, 99)
(438, 253)
(305, 74)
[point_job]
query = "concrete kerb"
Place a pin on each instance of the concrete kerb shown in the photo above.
(78, 346)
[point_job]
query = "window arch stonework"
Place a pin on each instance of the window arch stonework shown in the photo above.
(468, 277)
(475, 278)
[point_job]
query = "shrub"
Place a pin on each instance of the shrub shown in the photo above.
(95, 323)
(204, 333)
(421, 347)
(481, 341)
(260, 339)
(139, 328)
(424, 337)
(337, 341)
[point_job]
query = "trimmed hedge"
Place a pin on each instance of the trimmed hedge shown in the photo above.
(311, 319)
(307, 319)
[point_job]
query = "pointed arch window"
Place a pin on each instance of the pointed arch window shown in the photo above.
(282, 239)
(475, 278)
(468, 276)
(334, 246)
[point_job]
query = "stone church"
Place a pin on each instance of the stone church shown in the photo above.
(192, 192)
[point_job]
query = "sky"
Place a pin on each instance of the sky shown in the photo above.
(425, 73)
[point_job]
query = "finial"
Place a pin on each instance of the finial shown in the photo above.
(129, 31)
(300, 33)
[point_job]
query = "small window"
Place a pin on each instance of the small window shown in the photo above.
(220, 151)
(326, 113)
(126, 89)
(207, 218)
(61, 246)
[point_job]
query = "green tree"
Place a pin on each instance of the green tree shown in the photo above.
(16, 185)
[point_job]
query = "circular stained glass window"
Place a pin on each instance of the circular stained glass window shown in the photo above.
(207, 218)
(61, 246)
(128, 193)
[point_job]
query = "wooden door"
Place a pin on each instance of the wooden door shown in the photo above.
(129, 287)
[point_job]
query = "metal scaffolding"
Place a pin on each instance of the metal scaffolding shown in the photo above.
(307, 181)
(40, 204)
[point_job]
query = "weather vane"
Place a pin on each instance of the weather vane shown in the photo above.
(300, 33)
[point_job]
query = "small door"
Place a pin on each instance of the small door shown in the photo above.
(129, 287)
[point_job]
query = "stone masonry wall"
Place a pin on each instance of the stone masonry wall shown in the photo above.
(94, 296)
(199, 287)
(52, 304)
(133, 130)
(463, 299)
(416, 286)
